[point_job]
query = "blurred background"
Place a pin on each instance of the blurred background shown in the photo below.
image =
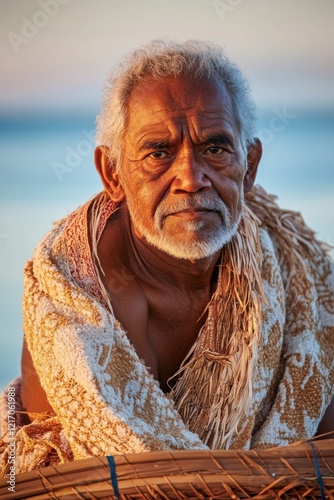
(55, 55)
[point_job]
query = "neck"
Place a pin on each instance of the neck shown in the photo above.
(160, 269)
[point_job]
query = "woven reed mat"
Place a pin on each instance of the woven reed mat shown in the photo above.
(299, 471)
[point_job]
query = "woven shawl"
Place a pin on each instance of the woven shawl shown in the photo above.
(260, 374)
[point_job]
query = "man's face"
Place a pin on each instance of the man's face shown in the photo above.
(183, 166)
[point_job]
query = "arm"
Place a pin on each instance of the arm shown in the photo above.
(33, 396)
(327, 423)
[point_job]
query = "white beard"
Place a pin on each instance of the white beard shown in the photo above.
(173, 245)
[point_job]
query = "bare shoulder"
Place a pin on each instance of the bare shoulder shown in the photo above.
(112, 243)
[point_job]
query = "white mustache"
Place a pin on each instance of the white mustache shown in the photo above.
(197, 202)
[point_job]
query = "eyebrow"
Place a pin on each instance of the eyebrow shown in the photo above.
(216, 139)
(154, 144)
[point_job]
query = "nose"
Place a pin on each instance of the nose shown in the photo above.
(190, 175)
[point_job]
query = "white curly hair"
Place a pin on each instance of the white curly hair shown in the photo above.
(157, 59)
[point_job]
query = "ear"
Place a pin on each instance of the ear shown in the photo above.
(108, 174)
(254, 154)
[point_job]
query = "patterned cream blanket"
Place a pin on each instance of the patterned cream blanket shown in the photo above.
(260, 374)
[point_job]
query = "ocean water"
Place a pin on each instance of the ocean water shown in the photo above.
(47, 170)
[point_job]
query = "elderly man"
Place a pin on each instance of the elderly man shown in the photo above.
(180, 308)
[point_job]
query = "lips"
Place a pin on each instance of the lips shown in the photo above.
(192, 213)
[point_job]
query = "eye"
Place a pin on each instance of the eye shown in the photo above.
(213, 150)
(158, 155)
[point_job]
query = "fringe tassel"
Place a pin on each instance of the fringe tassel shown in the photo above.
(296, 243)
(95, 231)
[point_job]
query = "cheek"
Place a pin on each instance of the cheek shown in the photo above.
(229, 185)
(146, 196)
(143, 193)
(154, 189)
(133, 183)
(229, 182)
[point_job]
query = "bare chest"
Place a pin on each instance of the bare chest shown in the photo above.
(161, 329)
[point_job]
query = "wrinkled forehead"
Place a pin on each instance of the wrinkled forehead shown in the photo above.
(155, 102)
